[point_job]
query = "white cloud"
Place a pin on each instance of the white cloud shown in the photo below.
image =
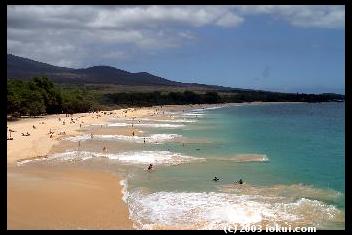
(301, 16)
(229, 20)
(70, 35)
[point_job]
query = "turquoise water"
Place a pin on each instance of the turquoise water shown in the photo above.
(304, 144)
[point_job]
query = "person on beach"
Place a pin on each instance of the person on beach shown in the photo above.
(91, 135)
(133, 133)
(105, 149)
(9, 138)
(144, 140)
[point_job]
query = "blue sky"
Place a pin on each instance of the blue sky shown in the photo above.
(290, 49)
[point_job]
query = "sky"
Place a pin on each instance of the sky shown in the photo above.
(278, 48)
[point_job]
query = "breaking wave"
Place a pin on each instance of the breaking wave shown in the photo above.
(155, 138)
(216, 210)
(132, 157)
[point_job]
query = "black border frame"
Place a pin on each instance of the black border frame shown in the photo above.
(348, 28)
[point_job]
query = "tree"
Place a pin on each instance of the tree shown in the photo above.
(211, 97)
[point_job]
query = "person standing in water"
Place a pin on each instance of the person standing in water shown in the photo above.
(150, 167)
(239, 182)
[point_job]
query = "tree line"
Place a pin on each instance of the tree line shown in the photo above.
(41, 96)
(159, 98)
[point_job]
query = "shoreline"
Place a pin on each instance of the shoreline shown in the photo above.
(34, 193)
(27, 147)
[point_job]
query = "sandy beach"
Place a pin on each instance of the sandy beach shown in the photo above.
(62, 198)
(66, 197)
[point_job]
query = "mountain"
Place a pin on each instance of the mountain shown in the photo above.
(25, 69)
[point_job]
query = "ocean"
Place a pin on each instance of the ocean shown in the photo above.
(290, 157)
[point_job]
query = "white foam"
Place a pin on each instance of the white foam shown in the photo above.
(155, 138)
(71, 156)
(154, 157)
(167, 120)
(209, 108)
(22, 162)
(159, 125)
(124, 191)
(116, 124)
(139, 157)
(151, 125)
(193, 114)
(218, 210)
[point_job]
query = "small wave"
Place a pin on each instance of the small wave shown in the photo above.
(244, 158)
(209, 108)
(124, 191)
(192, 114)
(139, 157)
(167, 120)
(161, 125)
(217, 210)
(155, 138)
(116, 124)
(292, 192)
(22, 162)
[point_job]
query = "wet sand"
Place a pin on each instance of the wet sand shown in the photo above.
(65, 198)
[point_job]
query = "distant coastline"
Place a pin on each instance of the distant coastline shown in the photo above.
(41, 96)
